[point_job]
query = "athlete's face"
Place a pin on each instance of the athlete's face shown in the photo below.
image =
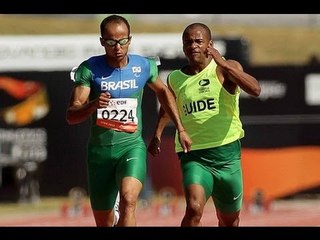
(116, 41)
(195, 43)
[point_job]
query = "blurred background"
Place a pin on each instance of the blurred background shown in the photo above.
(42, 156)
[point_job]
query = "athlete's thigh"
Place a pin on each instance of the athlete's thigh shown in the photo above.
(228, 189)
(194, 173)
(133, 162)
(101, 178)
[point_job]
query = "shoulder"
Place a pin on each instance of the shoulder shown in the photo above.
(93, 60)
(222, 71)
(174, 76)
(174, 73)
(96, 58)
(235, 64)
(138, 59)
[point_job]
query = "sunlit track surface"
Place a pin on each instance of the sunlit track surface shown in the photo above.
(280, 213)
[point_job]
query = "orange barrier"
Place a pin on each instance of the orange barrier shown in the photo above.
(280, 172)
(275, 172)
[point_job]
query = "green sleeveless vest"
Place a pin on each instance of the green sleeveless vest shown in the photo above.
(208, 112)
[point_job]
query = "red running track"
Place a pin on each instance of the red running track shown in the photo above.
(280, 213)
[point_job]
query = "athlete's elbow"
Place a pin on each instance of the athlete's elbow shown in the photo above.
(71, 120)
(256, 91)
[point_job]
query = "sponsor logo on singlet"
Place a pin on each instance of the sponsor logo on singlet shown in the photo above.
(125, 84)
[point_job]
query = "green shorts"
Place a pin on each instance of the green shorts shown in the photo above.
(108, 165)
(218, 170)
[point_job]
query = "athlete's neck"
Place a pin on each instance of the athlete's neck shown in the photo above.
(118, 62)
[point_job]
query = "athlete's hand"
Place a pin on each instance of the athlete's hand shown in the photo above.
(185, 141)
(103, 100)
(154, 146)
(216, 56)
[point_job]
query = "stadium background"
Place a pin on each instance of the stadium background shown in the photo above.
(281, 151)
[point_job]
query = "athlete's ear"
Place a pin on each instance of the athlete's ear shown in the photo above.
(102, 41)
(211, 43)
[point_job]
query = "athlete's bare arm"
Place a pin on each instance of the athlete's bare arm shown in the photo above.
(80, 108)
(168, 103)
(232, 70)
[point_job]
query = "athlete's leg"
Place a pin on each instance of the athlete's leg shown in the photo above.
(198, 184)
(228, 219)
(103, 189)
(195, 202)
(131, 173)
(129, 192)
(108, 218)
(228, 189)
(103, 218)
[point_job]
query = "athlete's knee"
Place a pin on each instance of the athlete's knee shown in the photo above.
(194, 209)
(128, 201)
(229, 222)
(103, 218)
(228, 219)
(129, 193)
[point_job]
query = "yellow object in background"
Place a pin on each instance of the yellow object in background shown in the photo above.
(34, 106)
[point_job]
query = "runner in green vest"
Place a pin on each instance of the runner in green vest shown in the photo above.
(207, 95)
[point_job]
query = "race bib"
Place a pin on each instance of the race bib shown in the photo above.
(120, 115)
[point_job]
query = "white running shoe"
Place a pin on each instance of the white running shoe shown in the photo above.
(116, 210)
